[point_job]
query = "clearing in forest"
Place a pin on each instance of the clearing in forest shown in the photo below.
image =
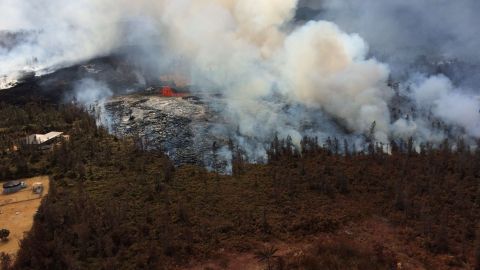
(17, 211)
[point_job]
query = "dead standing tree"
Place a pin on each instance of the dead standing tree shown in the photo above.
(267, 255)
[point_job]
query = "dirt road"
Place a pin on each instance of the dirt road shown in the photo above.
(17, 211)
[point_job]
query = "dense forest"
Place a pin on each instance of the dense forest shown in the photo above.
(114, 205)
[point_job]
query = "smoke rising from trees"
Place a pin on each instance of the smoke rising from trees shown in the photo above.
(269, 68)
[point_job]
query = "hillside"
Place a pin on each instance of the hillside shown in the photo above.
(113, 205)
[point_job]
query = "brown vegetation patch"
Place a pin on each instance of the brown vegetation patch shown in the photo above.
(112, 204)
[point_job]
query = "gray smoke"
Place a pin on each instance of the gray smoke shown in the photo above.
(91, 95)
(320, 77)
(431, 47)
(89, 92)
(402, 30)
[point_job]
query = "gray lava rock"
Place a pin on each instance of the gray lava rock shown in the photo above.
(181, 127)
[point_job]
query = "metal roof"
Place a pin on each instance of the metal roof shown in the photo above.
(12, 184)
(42, 138)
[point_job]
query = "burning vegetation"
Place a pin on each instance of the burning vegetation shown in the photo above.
(314, 143)
(167, 91)
(306, 208)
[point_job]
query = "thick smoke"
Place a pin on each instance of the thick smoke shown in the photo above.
(251, 51)
(431, 47)
(436, 100)
(91, 95)
(439, 96)
(89, 92)
(55, 33)
(276, 76)
(402, 30)
(324, 67)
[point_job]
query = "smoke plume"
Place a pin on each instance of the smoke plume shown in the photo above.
(277, 75)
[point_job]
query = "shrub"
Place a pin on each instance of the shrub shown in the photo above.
(4, 233)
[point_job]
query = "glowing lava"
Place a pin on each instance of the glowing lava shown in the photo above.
(167, 91)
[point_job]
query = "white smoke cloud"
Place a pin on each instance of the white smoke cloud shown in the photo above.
(404, 33)
(251, 52)
(59, 33)
(408, 28)
(328, 68)
(92, 94)
(89, 92)
(438, 95)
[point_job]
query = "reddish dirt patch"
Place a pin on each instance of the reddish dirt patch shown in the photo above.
(232, 261)
(374, 235)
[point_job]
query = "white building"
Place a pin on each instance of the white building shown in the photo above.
(45, 141)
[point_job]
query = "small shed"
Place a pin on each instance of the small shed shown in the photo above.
(12, 187)
(37, 188)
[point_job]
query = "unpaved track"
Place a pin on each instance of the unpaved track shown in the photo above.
(17, 211)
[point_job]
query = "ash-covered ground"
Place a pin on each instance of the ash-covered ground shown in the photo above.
(184, 128)
(130, 105)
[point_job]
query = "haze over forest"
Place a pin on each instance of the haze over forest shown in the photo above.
(240, 134)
